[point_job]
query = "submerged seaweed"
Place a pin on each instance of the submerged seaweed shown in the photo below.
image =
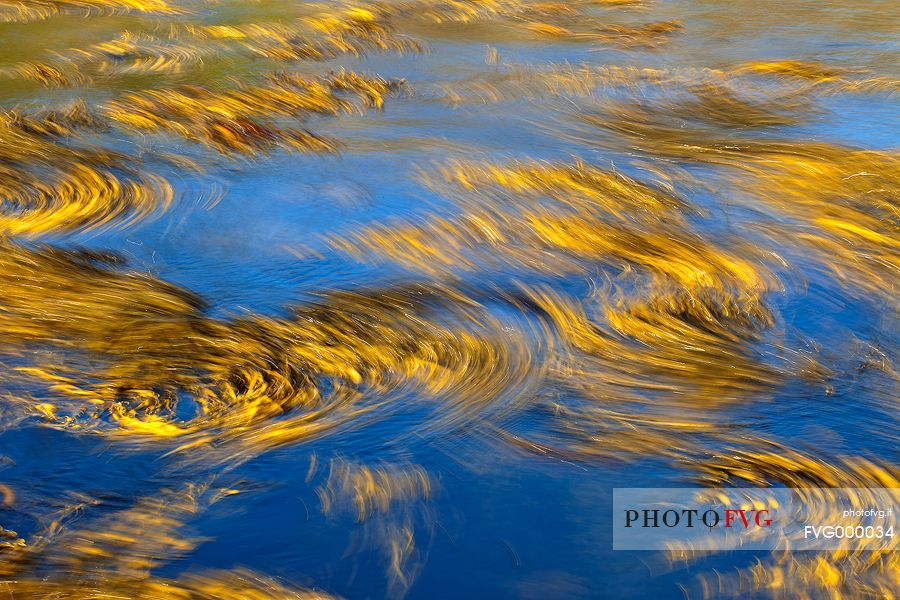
(620, 299)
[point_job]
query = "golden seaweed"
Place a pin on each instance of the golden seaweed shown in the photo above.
(230, 121)
(483, 336)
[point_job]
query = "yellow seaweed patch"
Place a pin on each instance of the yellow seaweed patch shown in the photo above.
(79, 300)
(137, 53)
(181, 47)
(115, 554)
(229, 121)
(526, 11)
(719, 104)
(800, 575)
(775, 463)
(655, 371)
(352, 32)
(370, 490)
(686, 260)
(373, 25)
(35, 10)
(737, 96)
(43, 73)
(82, 198)
(699, 307)
(557, 216)
(856, 565)
(512, 81)
(47, 185)
(10, 541)
(794, 68)
(840, 203)
(690, 347)
(235, 378)
(809, 77)
(578, 186)
(649, 34)
(584, 223)
(384, 497)
(691, 333)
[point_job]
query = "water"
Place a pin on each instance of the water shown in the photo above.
(397, 323)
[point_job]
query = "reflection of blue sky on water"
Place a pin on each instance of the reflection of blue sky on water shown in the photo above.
(506, 525)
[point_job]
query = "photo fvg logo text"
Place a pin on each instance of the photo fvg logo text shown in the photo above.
(692, 517)
(754, 518)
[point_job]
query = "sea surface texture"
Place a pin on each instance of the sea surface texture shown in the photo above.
(383, 299)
